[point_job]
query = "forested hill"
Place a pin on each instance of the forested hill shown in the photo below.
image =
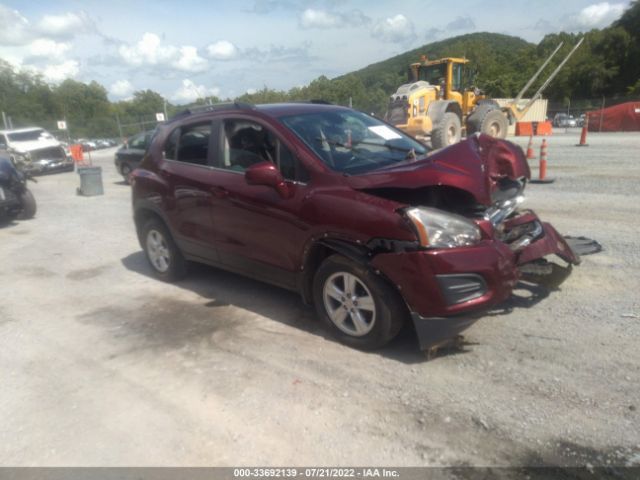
(489, 53)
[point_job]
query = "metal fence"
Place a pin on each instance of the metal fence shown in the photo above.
(577, 107)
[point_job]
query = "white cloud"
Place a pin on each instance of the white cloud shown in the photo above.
(251, 91)
(314, 18)
(121, 89)
(14, 28)
(151, 52)
(396, 29)
(61, 71)
(147, 51)
(319, 19)
(190, 92)
(47, 48)
(189, 60)
(65, 25)
(222, 50)
(599, 14)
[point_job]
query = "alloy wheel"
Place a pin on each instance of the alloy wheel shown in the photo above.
(158, 251)
(349, 304)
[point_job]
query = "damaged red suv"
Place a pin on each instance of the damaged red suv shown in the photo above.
(359, 218)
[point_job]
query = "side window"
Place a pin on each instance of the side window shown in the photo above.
(290, 166)
(192, 144)
(3, 141)
(171, 145)
(137, 142)
(245, 143)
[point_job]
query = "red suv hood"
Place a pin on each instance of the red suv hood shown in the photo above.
(475, 165)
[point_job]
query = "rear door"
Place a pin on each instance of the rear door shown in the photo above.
(187, 170)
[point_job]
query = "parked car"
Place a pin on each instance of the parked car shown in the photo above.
(353, 214)
(35, 150)
(128, 156)
(16, 200)
(562, 120)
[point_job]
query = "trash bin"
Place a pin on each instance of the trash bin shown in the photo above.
(90, 181)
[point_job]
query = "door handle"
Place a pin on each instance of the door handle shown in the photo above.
(219, 192)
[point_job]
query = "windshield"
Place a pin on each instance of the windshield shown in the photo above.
(434, 74)
(352, 142)
(29, 135)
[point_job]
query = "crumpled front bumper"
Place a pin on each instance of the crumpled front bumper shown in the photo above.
(548, 242)
(433, 282)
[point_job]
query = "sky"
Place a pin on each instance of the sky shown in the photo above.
(189, 49)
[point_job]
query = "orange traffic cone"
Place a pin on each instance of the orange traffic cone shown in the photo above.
(542, 172)
(530, 154)
(583, 135)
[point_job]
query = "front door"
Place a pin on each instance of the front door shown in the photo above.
(257, 231)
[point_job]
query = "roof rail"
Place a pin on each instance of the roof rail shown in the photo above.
(212, 108)
(320, 101)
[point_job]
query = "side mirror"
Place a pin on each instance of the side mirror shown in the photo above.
(266, 173)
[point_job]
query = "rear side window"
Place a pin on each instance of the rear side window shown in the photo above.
(189, 144)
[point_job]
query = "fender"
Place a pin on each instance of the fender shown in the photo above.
(315, 253)
(143, 208)
(437, 109)
(357, 252)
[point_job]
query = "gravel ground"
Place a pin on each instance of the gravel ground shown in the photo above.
(103, 365)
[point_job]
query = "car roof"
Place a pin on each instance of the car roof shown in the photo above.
(284, 109)
(274, 110)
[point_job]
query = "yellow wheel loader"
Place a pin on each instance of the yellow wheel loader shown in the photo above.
(434, 104)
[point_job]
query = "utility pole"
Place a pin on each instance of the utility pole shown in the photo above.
(4, 119)
(119, 126)
(166, 117)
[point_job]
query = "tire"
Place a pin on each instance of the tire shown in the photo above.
(125, 170)
(488, 119)
(370, 318)
(29, 207)
(447, 131)
(163, 255)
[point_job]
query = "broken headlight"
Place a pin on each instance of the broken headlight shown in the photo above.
(438, 229)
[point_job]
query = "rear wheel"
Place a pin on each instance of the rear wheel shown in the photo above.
(125, 169)
(29, 207)
(163, 255)
(447, 131)
(358, 307)
(488, 119)
(495, 124)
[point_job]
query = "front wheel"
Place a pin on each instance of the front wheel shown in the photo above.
(29, 207)
(358, 307)
(447, 131)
